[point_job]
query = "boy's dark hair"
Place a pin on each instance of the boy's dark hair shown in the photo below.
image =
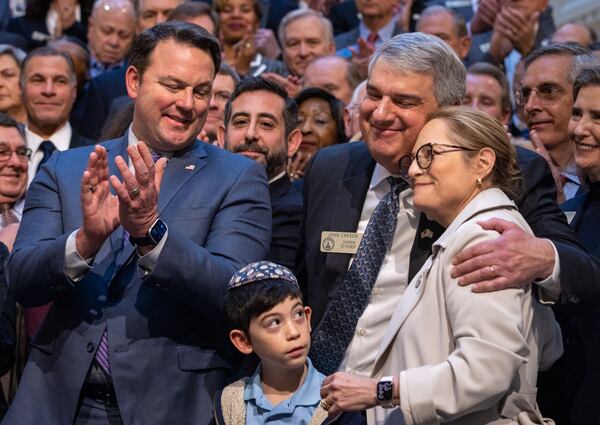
(248, 301)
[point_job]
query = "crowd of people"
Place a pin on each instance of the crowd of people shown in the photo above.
(305, 212)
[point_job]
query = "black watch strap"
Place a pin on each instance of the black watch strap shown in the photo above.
(154, 235)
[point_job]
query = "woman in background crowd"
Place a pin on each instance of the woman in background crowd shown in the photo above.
(10, 91)
(238, 23)
(581, 327)
(321, 121)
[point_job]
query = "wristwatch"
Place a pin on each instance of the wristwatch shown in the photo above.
(154, 235)
(385, 392)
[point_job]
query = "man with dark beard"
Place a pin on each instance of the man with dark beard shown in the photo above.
(260, 123)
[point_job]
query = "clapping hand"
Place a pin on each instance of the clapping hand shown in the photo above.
(100, 208)
(138, 192)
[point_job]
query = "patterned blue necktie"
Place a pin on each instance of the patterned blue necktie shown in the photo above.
(338, 325)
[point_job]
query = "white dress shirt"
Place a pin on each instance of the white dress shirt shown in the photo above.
(391, 281)
(61, 140)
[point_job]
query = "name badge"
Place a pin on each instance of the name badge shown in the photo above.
(340, 242)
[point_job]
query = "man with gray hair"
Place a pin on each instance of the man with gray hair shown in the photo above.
(48, 87)
(305, 35)
(410, 76)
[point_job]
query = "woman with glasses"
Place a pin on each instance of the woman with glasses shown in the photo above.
(455, 356)
(581, 326)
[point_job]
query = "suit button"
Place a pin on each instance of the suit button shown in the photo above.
(90, 347)
(362, 332)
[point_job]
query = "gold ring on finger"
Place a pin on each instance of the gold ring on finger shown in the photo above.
(493, 271)
(248, 45)
(134, 191)
(324, 404)
(92, 188)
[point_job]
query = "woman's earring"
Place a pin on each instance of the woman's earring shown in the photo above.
(479, 182)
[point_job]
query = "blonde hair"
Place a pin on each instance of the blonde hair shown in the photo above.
(477, 130)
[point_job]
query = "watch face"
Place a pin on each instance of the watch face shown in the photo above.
(384, 391)
(158, 231)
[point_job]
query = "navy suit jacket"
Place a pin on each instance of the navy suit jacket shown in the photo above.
(568, 392)
(98, 97)
(167, 356)
(335, 186)
(36, 32)
(286, 204)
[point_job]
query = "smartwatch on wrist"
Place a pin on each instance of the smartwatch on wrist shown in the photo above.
(385, 392)
(153, 236)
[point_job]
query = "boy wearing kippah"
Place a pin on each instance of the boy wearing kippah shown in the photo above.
(267, 316)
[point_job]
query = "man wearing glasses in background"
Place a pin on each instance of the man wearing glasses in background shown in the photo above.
(546, 97)
(14, 161)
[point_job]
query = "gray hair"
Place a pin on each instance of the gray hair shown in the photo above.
(300, 14)
(460, 25)
(574, 50)
(420, 53)
(17, 54)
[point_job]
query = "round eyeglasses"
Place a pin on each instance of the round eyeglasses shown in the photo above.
(425, 155)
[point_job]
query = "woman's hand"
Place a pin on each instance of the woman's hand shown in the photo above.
(296, 166)
(343, 392)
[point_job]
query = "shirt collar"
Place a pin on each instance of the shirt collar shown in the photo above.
(61, 138)
(277, 177)
(133, 140)
(307, 395)
(384, 33)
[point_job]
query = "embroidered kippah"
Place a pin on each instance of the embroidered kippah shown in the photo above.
(261, 271)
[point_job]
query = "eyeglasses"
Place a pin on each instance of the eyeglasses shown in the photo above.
(425, 154)
(546, 93)
(22, 152)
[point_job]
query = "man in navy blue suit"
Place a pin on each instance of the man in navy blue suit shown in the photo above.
(137, 274)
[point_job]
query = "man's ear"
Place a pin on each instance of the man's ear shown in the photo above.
(240, 341)
(221, 136)
(465, 46)
(294, 141)
(132, 81)
(308, 313)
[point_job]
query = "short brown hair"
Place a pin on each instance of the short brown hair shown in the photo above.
(484, 68)
(477, 130)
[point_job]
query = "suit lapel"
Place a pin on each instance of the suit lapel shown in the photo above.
(408, 301)
(180, 169)
(350, 197)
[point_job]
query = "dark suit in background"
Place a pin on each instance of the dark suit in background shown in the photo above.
(569, 390)
(167, 358)
(8, 312)
(99, 95)
(34, 30)
(286, 206)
